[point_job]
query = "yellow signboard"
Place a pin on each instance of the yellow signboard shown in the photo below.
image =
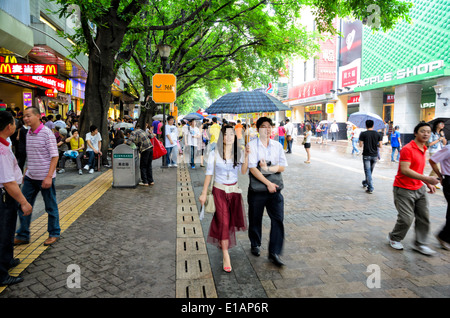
(164, 88)
(330, 108)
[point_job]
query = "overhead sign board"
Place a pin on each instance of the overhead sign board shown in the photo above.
(28, 69)
(164, 88)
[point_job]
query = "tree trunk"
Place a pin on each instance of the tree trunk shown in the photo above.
(100, 77)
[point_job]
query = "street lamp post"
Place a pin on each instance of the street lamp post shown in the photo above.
(164, 53)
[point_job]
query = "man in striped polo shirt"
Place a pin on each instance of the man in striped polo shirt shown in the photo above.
(42, 157)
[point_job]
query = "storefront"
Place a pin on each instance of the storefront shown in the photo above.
(405, 74)
(309, 101)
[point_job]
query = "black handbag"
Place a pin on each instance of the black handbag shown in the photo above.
(257, 186)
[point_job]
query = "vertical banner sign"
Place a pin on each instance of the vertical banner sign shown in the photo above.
(26, 100)
(164, 88)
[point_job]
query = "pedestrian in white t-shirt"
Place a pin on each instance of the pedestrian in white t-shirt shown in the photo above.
(171, 133)
(94, 144)
(192, 138)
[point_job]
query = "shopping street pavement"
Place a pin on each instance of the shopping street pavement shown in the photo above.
(124, 241)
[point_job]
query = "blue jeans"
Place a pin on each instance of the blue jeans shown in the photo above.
(91, 159)
(30, 190)
(354, 143)
(281, 139)
(193, 148)
(171, 151)
(393, 152)
(369, 163)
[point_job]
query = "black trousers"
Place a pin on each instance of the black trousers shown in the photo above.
(146, 166)
(444, 234)
(274, 203)
(8, 219)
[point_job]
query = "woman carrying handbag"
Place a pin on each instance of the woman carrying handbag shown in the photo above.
(223, 168)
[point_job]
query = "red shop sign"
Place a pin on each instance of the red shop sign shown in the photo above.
(46, 81)
(310, 89)
(28, 69)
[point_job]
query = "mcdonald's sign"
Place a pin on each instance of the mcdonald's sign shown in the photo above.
(28, 69)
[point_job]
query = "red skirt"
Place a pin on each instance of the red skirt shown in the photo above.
(228, 218)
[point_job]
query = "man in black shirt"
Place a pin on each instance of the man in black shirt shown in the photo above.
(371, 140)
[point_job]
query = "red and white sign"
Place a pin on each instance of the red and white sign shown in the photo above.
(310, 89)
(349, 77)
(353, 100)
(28, 69)
(390, 98)
(51, 93)
(46, 81)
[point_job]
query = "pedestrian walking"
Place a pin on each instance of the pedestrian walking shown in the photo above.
(204, 142)
(142, 140)
(281, 133)
(410, 198)
(289, 135)
(334, 129)
(21, 152)
(370, 140)
(214, 132)
(396, 143)
(93, 148)
(267, 161)
(192, 140)
(325, 133)
(307, 142)
(171, 133)
(442, 157)
(11, 198)
(437, 141)
(224, 165)
(355, 139)
(42, 154)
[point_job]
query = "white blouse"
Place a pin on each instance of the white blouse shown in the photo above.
(224, 171)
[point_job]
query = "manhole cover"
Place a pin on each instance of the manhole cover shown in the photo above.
(65, 187)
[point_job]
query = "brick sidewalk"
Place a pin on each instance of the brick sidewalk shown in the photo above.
(125, 243)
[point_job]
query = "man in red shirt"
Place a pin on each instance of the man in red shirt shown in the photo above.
(410, 192)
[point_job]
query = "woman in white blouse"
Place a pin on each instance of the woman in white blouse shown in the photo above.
(307, 144)
(225, 163)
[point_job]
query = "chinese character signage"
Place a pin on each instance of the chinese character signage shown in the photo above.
(28, 69)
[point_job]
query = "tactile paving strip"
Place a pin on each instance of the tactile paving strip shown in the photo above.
(194, 276)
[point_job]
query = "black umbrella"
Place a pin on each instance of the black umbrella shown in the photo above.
(446, 127)
(246, 102)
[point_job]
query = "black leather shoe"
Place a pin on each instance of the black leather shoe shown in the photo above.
(14, 262)
(275, 258)
(11, 280)
(255, 251)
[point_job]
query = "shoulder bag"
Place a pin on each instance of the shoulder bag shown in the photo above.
(257, 186)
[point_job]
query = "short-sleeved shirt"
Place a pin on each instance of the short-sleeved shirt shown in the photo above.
(395, 136)
(224, 171)
(94, 141)
(41, 148)
(9, 169)
(274, 153)
(172, 131)
(413, 154)
(371, 139)
(77, 143)
(443, 157)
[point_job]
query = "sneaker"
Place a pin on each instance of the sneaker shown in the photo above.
(394, 244)
(86, 167)
(91, 171)
(80, 172)
(369, 191)
(364, 184)
(61, 171)
(174, 165)
(444, 244)
(423, 249)
(169, 165)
